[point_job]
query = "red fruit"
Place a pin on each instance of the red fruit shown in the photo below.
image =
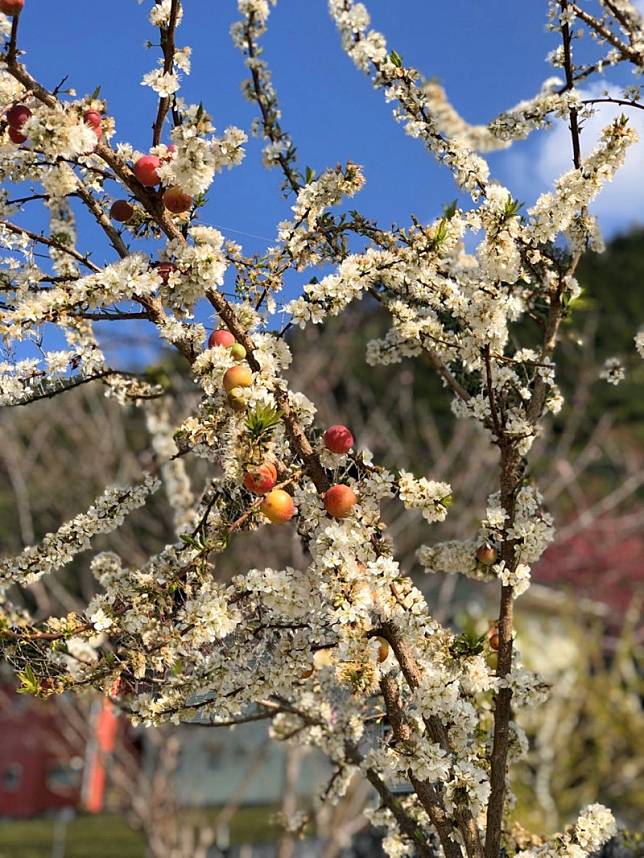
(261, 479)
(339, 500)
(338, 439)
(221, 338)
(278, 506)
(486, 554)
(176, 201)
(93, 118)
(121, 211)
(237, 376)
(18, 115)
(145, 169)
(15, 136)
(164, 270)
(11, 7)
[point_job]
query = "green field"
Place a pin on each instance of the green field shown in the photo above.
(106, 836)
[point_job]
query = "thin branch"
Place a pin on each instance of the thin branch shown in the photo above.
(270, 123)
(13, 40)
(602, 30)
(73, 383)
(49, 242)
(168, 47)
(622, 101)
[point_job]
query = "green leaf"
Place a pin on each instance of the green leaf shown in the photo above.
(467, 643)
(450, 210)
(511, 209)
(396, 59)
(191, 541)
(262, 420)
(28, 681)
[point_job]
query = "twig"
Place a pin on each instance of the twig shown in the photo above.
(49, 242)
(168, 47)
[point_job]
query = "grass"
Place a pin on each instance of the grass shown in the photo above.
(87, 837)
(109, 836)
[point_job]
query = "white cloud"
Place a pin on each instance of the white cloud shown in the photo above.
(534, 168)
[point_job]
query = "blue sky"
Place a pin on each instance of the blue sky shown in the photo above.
(488, 55)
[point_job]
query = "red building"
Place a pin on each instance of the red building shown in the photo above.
(604, 562)
(40, 766)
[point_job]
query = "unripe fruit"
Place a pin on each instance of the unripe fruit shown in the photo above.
(176, 201)
(145, 170)
(121, 211)
(278, 506)
(93, 118)
(18, 115)
(238, 352)
(237, 376)
(11, 7)
(383, 649)
(486, 554)
(15, 136)
(221, 337)
(339, 500)
(338, 439)
(236, 399)
(261, 479)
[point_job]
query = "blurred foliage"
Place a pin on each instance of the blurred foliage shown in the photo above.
(587, 739)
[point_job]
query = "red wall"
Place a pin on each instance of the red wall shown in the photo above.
(35, 758)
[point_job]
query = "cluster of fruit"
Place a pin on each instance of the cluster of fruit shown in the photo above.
(146, 171)
(17, 115)
(278, 505)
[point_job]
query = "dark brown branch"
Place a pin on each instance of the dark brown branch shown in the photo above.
(424, 790)
(490, 393)
(112, 317)
(13, 40)
(49, 242)
(168, 47)
(78, 382)
(621, 101)
(269, 120)
(413, 676)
